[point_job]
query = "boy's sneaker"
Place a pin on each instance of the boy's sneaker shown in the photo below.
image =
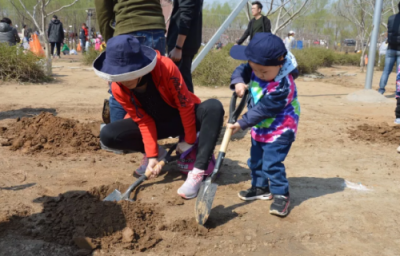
(398, 149)
(255, 193)
(280, 206)
(145, 161)
(191, 187)
(397, 121)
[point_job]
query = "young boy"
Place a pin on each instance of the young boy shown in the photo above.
(273, 115)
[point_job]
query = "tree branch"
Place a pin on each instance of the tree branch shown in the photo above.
(292, 16)
(46, 4)
(65, 6)
(32, 16)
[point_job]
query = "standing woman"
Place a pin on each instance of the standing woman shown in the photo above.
(55, 33)
(152, 91)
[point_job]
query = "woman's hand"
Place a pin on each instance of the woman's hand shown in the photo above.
(235, 127)
(153, 167)
(183, 147)
(240, 89)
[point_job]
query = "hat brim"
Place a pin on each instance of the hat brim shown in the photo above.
(126, 76)
(238, 52)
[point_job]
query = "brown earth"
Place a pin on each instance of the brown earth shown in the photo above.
(50, 134)
(337, 141)
(376, 133)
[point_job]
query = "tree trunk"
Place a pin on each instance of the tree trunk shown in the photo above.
(48, 64)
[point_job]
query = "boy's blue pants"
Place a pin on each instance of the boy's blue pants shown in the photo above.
(266, 164)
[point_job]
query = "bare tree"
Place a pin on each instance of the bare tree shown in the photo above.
(287, 11)
(39, 16)
(355, 12)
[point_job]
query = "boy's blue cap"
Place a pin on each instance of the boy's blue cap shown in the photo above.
(263, 49)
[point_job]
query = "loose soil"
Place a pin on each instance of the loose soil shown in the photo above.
(82, 219)
(51, 135)
(51, 198)
(381, 133)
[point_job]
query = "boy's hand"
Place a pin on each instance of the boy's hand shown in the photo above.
(240, 88)
(235, 127)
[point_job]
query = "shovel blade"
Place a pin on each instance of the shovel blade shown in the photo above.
(114, 196)
(205, 200)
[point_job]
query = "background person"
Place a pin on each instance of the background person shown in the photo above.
(8, 34)
(184, 36)
(393, 51)
(55, 32)
(289, 41)
(259, 23)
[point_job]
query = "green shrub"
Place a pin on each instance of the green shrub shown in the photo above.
(20, 65)
(90, 56)
(216, 68)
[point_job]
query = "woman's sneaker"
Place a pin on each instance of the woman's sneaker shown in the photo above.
(145, 161)
(280, 206)
(191, 187)
(255, 193)
(397, 121)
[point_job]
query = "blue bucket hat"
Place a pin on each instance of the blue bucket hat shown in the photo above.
(264, 49)
(125, 59)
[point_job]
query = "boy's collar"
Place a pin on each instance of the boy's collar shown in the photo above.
(289, 65)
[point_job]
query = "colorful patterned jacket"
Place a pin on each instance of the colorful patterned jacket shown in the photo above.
(273, 106)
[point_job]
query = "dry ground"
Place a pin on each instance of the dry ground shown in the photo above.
(325, 219)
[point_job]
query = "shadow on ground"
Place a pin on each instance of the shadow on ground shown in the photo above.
(25, 112)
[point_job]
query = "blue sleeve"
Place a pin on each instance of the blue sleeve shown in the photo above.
(242, 74)
(269, 106)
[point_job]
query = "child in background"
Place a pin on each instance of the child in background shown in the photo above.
(273, 115)
(97, 43)
(65, 49)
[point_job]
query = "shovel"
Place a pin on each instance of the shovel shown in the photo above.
(116, 195)
(208, 187)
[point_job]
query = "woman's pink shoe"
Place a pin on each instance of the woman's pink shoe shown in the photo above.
(191, 187)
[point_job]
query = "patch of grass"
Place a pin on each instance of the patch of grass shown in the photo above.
(216, 68)
(20, 65)
(310, 59)
(90, 56)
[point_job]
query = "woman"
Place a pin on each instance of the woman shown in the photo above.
(152, 91)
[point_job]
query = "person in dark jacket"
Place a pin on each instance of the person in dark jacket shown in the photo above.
(184, 36)
(8, 34)
(393, 50)
(55, 32)
(259, 23)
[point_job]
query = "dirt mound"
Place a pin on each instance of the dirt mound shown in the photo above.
(186, 227)
(376, 133)
(81, 218)
(50, 134)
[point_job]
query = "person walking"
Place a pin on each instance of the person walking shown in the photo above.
(393, 50)
(55, 33)
(142, 19)
(184, 36)
(259, 23)
(8, 34)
